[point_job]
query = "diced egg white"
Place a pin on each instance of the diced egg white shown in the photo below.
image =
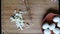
(52, 26)
(21, 28)
(12, 20)
(56, 19)
(21, 12)
(45, 26)
(58, 24)
(47, 31)
(16, 14)
(56, 31)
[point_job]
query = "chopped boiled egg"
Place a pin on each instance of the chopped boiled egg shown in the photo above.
(56, 30)
(52, 26)
(56, 19)
(58, 24)
(47, 31)
(18, 19)
(45, 26)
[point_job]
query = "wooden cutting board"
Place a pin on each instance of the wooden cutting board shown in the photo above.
(38, 9)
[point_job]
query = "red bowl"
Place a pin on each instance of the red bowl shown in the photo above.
(48, 19)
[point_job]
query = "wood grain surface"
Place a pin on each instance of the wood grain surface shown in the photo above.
(38, 9)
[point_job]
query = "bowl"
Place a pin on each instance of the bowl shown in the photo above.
(48, 19)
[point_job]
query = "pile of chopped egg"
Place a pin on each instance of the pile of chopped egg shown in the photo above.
(47, 28)
(18, 19)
